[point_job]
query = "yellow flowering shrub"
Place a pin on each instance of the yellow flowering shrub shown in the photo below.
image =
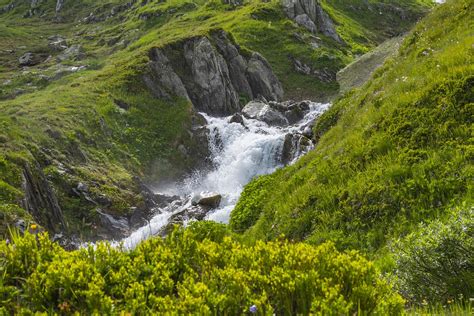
(190, 272)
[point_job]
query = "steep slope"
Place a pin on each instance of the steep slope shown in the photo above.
(84, 119)
(391, 154)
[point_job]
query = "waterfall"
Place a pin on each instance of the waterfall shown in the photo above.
(239, 152)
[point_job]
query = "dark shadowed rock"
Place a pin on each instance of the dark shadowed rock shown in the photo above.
(40, 199)
(237, 118)
(161, 79)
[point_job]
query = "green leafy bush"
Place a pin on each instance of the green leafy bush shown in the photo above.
(186, 274)
(436, 263)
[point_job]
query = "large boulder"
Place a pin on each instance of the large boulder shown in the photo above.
(210, 86)
(264, 112)
(211, 73)
(262, 79)
(210, 200)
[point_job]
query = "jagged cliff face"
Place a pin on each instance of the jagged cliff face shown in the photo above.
(311, 15)
(212, 73)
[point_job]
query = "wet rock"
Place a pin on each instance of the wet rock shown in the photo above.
(308, 132)
(210, 200)
(293, 146)
(118, 227)
(237, 118)
(264, 112)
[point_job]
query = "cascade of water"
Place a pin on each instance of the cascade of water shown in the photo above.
(239, 153)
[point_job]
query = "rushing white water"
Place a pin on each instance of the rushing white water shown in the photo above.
(239, 153)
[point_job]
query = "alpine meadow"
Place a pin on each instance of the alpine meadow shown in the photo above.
(236, 157)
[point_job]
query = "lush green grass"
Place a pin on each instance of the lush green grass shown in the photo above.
(74, 123)
(395, 152)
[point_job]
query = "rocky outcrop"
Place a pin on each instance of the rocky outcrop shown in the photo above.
(211, 73)
(40, 200)
(59, 5)
(306, 11)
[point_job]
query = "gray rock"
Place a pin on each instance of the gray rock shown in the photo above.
(28, 59)
(161, 79)
(57, 43)
(293, 146)
(236, 63)
(315, 12)
(82, 187)
(264, 112)
(75, 52)
(306, 22)
(40, 200)
(237, 118)
(117, 226)
(210, 200)
(262, 79)
(308, 131)
(59, 5)
(211, 88)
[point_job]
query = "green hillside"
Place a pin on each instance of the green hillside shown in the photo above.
(68, 125)
(394, 153)
(377, 219)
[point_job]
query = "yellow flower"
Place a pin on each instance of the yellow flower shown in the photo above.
(34, 226)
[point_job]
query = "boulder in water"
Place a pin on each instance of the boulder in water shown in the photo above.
(211, 200)
(264, 112)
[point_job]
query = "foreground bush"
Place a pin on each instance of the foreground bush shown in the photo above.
(189, 273)
(436, 263)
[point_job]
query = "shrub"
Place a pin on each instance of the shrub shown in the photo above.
(436, 263)
(186, 274)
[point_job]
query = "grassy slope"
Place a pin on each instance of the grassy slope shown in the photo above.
(142, 140)
(396, 152)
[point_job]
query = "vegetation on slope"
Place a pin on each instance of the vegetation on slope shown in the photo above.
(200, 270)
(392, 154)
(72, 127)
